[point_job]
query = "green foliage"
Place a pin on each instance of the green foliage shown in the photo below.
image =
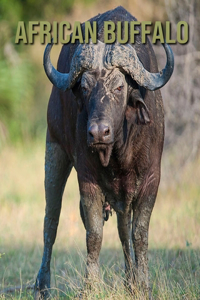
(16, 96)
(26, 10)
(11, 11)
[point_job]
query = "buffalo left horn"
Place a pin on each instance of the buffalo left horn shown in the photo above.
(125, 57)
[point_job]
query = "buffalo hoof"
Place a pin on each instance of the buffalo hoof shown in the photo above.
(41, 295)
(138, 291)
(42, 285)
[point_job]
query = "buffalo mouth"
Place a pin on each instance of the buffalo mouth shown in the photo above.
(104, 151)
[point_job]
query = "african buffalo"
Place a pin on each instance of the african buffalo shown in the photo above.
(105, 118)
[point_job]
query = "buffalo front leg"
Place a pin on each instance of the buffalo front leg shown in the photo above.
(142, 210)
(124, 230)
(57, 170)
(92, 207)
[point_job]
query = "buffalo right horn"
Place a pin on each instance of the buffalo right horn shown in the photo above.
(82, 60)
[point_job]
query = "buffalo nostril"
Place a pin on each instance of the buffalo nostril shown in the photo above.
(104, 130)
(90, 133)
(107, 132)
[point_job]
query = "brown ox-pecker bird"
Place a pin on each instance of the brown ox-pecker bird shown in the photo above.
(105, 118)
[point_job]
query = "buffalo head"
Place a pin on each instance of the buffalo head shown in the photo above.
(106, 77)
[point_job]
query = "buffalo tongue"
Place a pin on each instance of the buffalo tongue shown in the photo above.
(104, 155)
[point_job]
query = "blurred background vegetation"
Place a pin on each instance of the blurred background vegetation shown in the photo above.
(24, 88)
(24, 94)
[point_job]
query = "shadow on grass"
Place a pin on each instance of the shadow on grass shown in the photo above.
(174, 274)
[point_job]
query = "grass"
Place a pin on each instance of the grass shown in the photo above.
(174, 244)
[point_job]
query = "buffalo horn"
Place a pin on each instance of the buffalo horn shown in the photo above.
(125, 57)
(82, 60)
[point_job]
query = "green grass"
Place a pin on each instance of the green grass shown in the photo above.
(174, 274)
(174, 244)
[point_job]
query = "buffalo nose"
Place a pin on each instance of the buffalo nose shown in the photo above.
(99, 133)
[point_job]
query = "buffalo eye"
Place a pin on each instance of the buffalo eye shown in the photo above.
(119, 88)
(84, 90)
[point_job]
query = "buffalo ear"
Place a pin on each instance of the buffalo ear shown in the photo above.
(140, 108)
